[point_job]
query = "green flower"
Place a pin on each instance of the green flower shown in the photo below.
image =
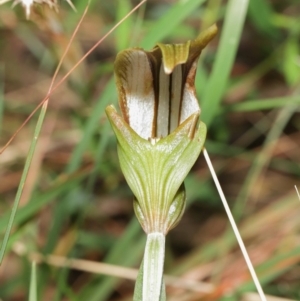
(159, 135)
(159, 139)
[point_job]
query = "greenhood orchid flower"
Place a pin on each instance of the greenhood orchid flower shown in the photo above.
(159, 139)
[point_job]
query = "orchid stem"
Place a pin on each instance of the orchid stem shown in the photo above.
(153, 266)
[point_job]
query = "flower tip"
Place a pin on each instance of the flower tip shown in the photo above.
(206, 36)
(111, 112)
(110, 108)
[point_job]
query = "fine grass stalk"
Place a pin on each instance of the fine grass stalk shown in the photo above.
(234, 227)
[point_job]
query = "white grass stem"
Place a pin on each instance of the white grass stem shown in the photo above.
(234, 227)
(297, 192)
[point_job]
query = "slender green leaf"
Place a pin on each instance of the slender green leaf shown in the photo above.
(124, 30)
(92, 125)
(101, 288)
(230, 37)
(38, 202)
(168, 22)
(1, 96)
(261, 12)
(264, 104)
(23, 180)
(263, 158)
(274, 267)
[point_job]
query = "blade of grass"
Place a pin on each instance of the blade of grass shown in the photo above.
(32, 148)
(96, 267)
(275, 267)
(103, 141)
(243, 84)
(168, 22)
(264, 104)
(70, 71)
(1, 95)
(88, 134)
(234, 227)
(230, 37)
(271, 215)
(39, 201)
(297, 192)
(211, 13)
(131, 237)
(263, 157)
(124, 30)
(32, 42)
(23, 180)
(92, 126)
(289, 65)
(261, 14)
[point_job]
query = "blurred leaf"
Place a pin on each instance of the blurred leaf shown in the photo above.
(168, 22)
(38, 202)
(264, 104)
(102, 287)
(291, 61)
(230, 38)
(23, 180)
(124, 30)
(92, 125)
(261, 13)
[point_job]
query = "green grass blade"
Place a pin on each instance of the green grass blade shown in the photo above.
(124, 30)
(22, 181)
(103, 141)
(264, 104)
(274, 267)
(38, 202)
(230, 37)
(131, 237)
(107, 96)
(1, 96)
(168, 22)
(261, 12)
(263, 158)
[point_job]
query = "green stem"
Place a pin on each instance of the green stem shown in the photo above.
(153, 266)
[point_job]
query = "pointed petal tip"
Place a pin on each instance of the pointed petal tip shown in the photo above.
(110, 109)
(206, 36)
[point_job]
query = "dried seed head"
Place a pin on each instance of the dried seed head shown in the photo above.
(28, 3)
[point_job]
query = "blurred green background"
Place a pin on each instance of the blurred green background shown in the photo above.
(76, 202)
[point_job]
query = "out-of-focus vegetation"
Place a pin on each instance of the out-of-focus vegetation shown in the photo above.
(76, 203)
